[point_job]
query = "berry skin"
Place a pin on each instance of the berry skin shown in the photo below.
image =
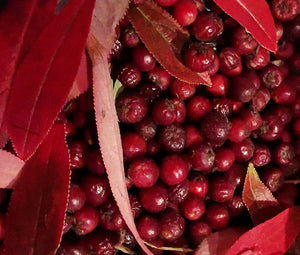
(201, 157)
(182, 90)
(271, 127)
(217, 216)
(285, 10)
(129, 75)
(238, 131)
(241, 89)
(236, 174)
(174, 169)
(230, 62)
(131, 107)
(273, 178)
(261, 156)
(198, 230)
(143, 172)
(224, 158)
(179, 192)
(146, 128)
(172, 138)
(197, 107)
(221, 189)
(185, 12)
(164, 112)
(76, 199)
(85, 220)
(142, 59)
(154, 199)
(199, 185)
(159, 76)
(148, 227)
(207, 26)
(77, 150)
(235, 205)
(242, 41)
(243, 150)
(219, 85)
(193, 207)
(258, 59)
(133, 145)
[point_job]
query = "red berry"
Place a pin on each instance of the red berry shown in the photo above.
(285, 10)
(252, 118)
(199, 185)
(129, 75)
(85, 220)
(273, 178)
(179, 192)
(243, 150)
(185, 12)
(182, 90)
(224, 158)
(77, 151)
(142, 59)
(174, 169)
(198, 230)
(133, 145)
(129, 37)
(193, 207)
(235, 205)
(192, 135)
(94, 162)
(242, 41)
(261, 98)
(258, 59)
(76, 198)
(285, 93)
(239, 130)
(159, 76)
(197, 107)
(219, 85)
(148, 227)
(172, 138)
(261, 156)
(201, 157)
(230, 62)
(221, 189)
(154, 199)
(146, 128)
(164, 112)
(217, 216)
(241, 89)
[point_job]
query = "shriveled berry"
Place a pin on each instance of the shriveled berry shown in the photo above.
(172, 138)
(283, 154)
(149, 91)
(174, 169)
(179, 192)
(271, 76)
(230, 62)
(285, 10)
(129, 75)
(143, 172)
(131, 107)
(215, 128)
(261, 98)
(261, 156)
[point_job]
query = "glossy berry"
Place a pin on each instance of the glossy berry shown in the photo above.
(235, 205)
(261, 156)
(241, 89)
(149, 91)
(182, 90)
(273, 178)
(243, 150)
(197, 107)
(179, 192)
(217, 216)
(129, 37)
(192, 207)
(242, 41)
(199, 57)
(238, 131)
(230, 62)
(172, 138)
(271, 127)
(219, 85)
(131, 107)
(180, 109)
(133, 145)
(215, 128)
(129, 75)
(201, 157)
(285, 10)
(261, 99)
(159, 76)
(76, 198)
(236, 174)
(223, 105)
(285, 93)
(271, 76)
(292, 29)
(143, 172)
(252, 118)
(207, 26)
(185, 12)
(163, 112)
(154, 199)
(142, 59)
(77, 151)
(72, 248)
(96, 189)
(192, 135)
(172, 225)
(85, 220)
(221, 189)
(224, 158)
(110, 217)
(199, 185)
(283, 154)
(174, 169)
(148, 227)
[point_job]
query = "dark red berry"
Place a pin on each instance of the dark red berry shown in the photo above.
(230, 62)
(172, 138)
(243, 150)
(143, 172)
(201, 157)
(283, 154)
(142, 59)
(235, 205)
(221, 189)
(164, 112)
(198, 230)
(215, 128)
(241, 89)
(135, 205)
(76, 198)
(261, 156)
(129, 37)
(149, 91)
(185, 12)
(236, 174)
(273, 178)
(77, 150)
(72, 248)
(129, 75)
(174, 169)
(261, 98)
(224, 158)
(148, 227)
(197, 107)
(287, 195)
(159, 76)
(199, 185)
(271, 127)
(285, 10)
(131, 107)
(192, 207)
(207, 26)
(285, 93)
(154, 199)
(219, 85)
(96, 189)
(146, 128)
(180, 108)
(85, 220)
(217, 216)
(182, 90)
(94, 162)
(242, 41)
(133, 145)
(179, 192)
(258, 59)
(271, 76)
(172, 225)
(223, 105)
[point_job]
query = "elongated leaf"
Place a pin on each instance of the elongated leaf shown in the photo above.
(107, 123)
(274, 236)
(159, 33)
(81, 82)
(219, 242)
(20, 24)
(256, 17)
(259, 200)
(10, 167)
(46, 75)
(36, 212)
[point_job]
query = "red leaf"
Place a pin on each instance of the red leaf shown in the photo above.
(107, 123)
(36, 212)
(219, 242)
(272, 237)
(256, 17)
(81, 82)
(20, 23)
(10, 166)
(48, 70)
(163, 38)
(259, 200)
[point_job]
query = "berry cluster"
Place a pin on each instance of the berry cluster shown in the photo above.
(186, 146)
